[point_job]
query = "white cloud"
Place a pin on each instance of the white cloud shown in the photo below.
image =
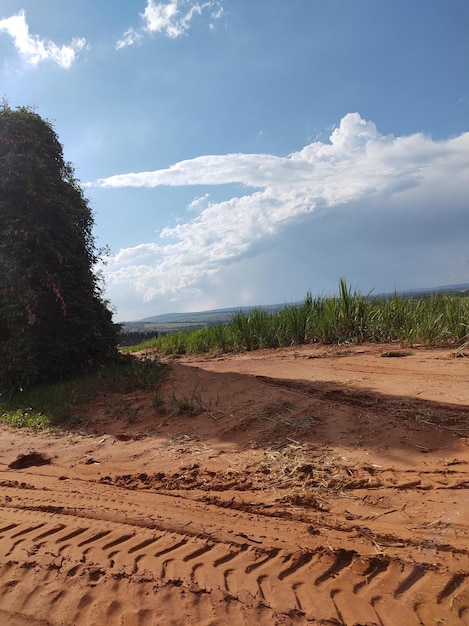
(199, 203)
(412, 179)
(34, 49)
(129, 38)
(254, 170)
(163, 18)
(172, 18)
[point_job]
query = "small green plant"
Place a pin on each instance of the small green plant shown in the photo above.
(159, 404)
(190, 405)
(131, 412)
(26, 418)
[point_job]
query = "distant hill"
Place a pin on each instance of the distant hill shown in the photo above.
(215, 315)
(171, 322)
(455, 289)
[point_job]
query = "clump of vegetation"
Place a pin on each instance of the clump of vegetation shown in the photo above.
(53, 319)
(437, 319)
(188, 404)
(63, 404)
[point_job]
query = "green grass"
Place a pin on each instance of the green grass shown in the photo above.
(190, 405)
(437, 319)
(63, 404)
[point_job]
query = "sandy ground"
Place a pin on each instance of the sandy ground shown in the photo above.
(316, 486)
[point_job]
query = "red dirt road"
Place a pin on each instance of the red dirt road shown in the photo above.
(316, 486)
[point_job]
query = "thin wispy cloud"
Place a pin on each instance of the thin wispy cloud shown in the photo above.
(35, 50)
(129, 38)
(357, 165)
(171, 19)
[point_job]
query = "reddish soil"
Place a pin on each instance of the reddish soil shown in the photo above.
(315, 486)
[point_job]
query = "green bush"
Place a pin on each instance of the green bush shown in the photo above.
(53, 320)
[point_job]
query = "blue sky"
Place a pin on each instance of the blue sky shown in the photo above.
(241, 152)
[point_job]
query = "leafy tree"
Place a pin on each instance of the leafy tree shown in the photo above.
(53, 320)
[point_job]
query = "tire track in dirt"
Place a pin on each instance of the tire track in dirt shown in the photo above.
(369, 477)
(383, 526)
(85, 565)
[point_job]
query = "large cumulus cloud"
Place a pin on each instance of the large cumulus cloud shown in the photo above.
(413, 186)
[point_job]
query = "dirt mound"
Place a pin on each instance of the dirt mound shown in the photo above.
(305, 489)
(33, 459)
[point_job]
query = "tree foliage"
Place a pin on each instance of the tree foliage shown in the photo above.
(53, 320)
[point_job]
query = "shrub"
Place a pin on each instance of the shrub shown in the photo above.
(53, 320)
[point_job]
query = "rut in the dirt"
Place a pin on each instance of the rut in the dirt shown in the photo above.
(82, 566)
